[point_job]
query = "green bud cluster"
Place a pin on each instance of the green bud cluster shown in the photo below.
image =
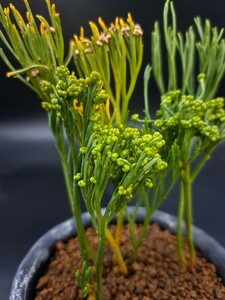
(148, 183)
(67, 87)
(46, 86)
(62, 72)
(70, 87)
(101, 97)
(81, 183)
(77, 176)
(185, 113)
(126, 192)
(135, 117)
(54, 103)
(70, 92)
(127, 156)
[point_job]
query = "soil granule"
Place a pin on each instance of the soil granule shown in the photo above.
(155, 274)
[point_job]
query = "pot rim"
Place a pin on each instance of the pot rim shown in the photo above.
(38, 255)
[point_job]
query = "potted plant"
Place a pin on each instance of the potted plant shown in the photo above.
(138, 159)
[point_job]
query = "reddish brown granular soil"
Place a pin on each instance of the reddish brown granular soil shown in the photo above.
(155, 274)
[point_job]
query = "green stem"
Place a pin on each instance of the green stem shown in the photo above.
(180, 213)
(79, 224)
(159, 195)
(149, 211)
(186, 183)
(99, 258)
(142, 233)
(73, 195)
(202, 161)
(147, 74)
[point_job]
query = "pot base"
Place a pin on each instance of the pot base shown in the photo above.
(36, 260)
(155, 274)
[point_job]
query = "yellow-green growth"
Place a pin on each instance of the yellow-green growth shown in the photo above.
(116, 53)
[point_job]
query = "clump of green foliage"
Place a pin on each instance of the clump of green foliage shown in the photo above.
(190, 117)
(97, 142)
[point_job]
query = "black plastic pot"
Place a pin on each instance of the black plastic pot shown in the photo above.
(34, 262)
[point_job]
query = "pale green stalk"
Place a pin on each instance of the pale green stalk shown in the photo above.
(99, 259)
(72, 190)
(187, 197)
(180, 214)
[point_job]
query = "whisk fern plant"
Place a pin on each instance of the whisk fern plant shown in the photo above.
(190, 117)
(87, 110)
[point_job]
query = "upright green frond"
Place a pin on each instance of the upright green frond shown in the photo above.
(170, 37)
(157, 58)
(200, 49)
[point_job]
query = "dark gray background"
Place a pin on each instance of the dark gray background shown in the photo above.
(32, 194)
